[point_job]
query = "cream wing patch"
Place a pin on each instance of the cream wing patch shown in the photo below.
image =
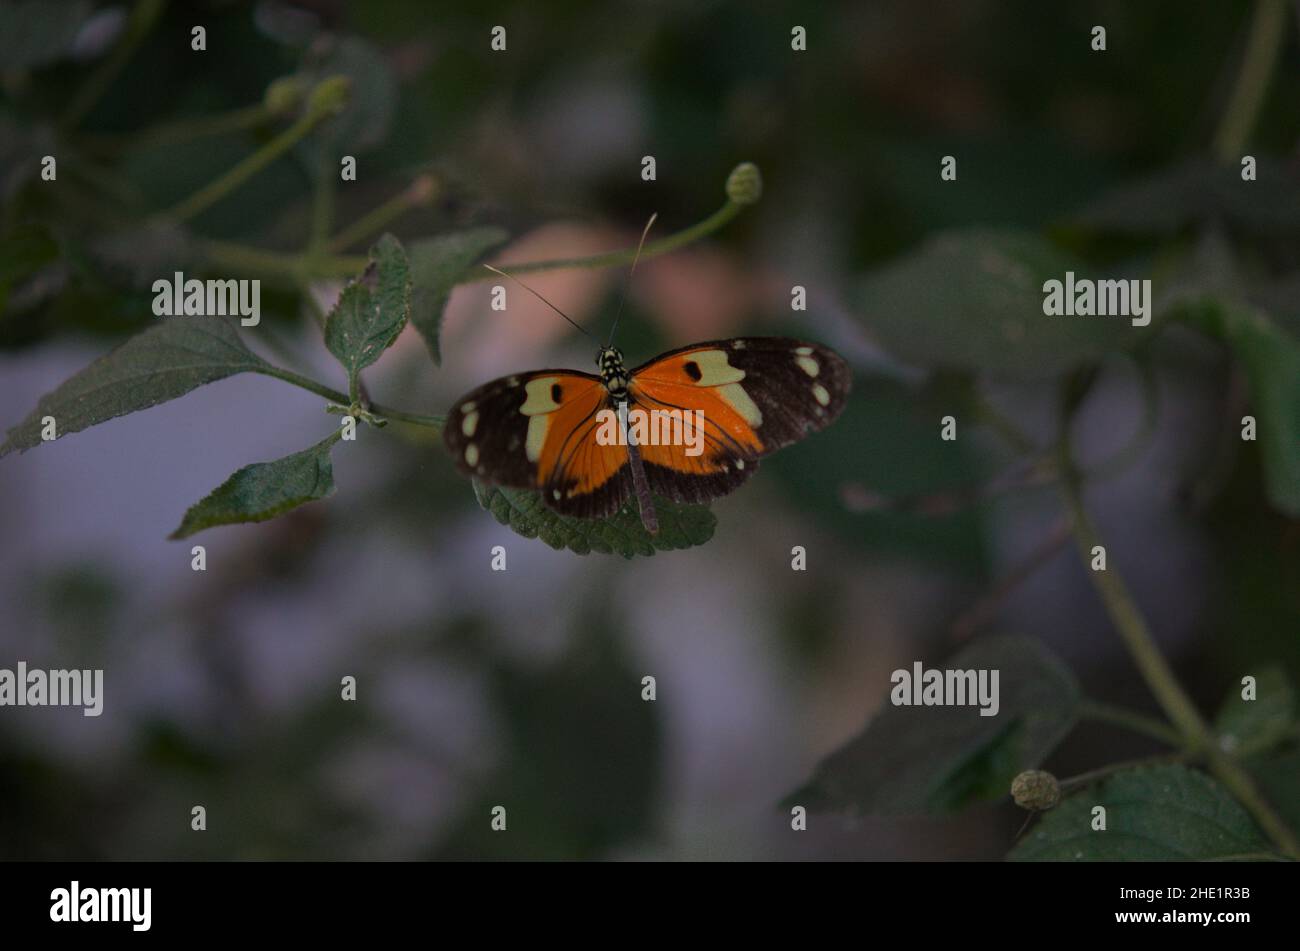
(538, 403)
(717, 371)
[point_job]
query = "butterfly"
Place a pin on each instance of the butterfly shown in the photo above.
(690, 425)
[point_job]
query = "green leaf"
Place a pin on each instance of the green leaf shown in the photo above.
(35, 33)
(1271, 360)
(436, 265)
(913, 759)
(372, 310)
(523, 512)
(1197, 190)
(264, 490)
(1250, 726)
(164, 362)
(973, 300)
(1154, 813)
(1278, 776)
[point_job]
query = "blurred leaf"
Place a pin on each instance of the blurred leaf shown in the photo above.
(940, 759)
(372, 96)
(973, 300)
(1271, 360)
(23, 251)
(1278, 775)
(162, 363)
(264, 490)
(1155, 813)
(35, 33)
(372, 310)
(1250, 726)
(436, 265)
(523, 512)
(884, 445)
(1196, 190)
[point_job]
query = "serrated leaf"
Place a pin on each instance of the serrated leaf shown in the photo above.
(1271, 359)
(913, 759)
(160, 364)
(1245, 726)
(372, 310)
(973, 300)
(1153, 814)
(264, 490)
(436, 265)
(35, 33)
(523, 512)
(1200, 189)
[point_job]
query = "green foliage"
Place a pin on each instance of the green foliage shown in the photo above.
(164, 362)
(1153, 814)
(973, 300)
(372, 310)
(437, 264)
(1251, 726)
(1197, 191)
(264, 490)
(523, 512)
(942, 758)
(1270, 358)
(34, 33)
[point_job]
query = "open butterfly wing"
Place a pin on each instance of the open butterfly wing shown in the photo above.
(538, 431)
(757, 395)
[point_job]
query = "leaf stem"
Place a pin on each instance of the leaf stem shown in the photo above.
(680, 239)
(219, 187)
(141, 19)
(320, 389)
(1197, 738)
(1130, 720)
(422, 191)
(1262, 48)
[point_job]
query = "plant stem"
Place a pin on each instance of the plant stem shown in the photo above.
(185, 130)
(375, 220)
(292, 267)
(1092, 775)
(1129, 720)
(682, 238)
(1197, 737)
(1262, 48)
(141, 19)
(320, 389)
(218, 188)
(322, 206)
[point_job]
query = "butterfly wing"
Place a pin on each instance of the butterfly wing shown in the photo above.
(539, 431)
(757, 395)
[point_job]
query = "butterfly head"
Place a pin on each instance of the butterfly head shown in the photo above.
(612, 372)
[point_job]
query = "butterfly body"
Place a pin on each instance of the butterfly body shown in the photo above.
(690, 425)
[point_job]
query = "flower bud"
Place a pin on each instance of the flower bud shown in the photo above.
(745, 184)
(1036, 790)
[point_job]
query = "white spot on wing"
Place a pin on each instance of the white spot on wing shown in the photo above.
(808, 364)
(471, 455)
(821, 394)
(469, 423)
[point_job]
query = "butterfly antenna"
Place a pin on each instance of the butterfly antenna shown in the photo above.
(497, 270)
(630, 272)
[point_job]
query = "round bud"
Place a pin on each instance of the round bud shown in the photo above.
(329, 95)
(284, 94)
(1036, 790)
(745, 184)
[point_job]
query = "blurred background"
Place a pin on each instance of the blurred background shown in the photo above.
(523, 688)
